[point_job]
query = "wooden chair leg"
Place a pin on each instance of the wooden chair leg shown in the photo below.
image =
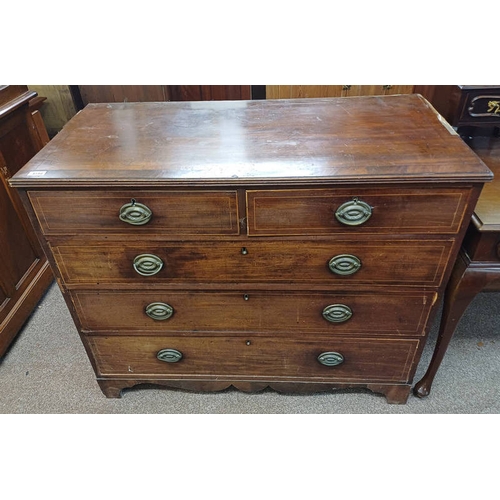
(465, 283)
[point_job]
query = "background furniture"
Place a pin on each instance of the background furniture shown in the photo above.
(318, 91)
(158, 93)
(297, 245)
(24, 270)
(477, 268)
(471, 109)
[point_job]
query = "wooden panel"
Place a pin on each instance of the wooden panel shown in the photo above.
(59, 107)
(180, 212)
(312, 91)
(307, 212)
(278, 313)
(3, 296)
(365, 359)
(157, 93)
(17, 141)
(122, 93)
(16, 250)
(400, 89)
(389, 262)
(225, 92)
(24, 271)
(208, 92)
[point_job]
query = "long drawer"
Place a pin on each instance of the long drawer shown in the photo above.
(279, 313)
(330, 211)
(384, 360)
(137, 212)
(388, 262)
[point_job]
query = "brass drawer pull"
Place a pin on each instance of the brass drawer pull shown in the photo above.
(147, 264)
(135, 213)
(159, 311)
(169, 355)
(354, 212)
(344, 264)
(337, 313)
(330, 358)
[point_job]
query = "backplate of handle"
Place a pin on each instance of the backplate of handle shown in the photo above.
(344, 264)
(330, 358)
(147, 264)
(169, 355)
(135, 213)
(159, 311)
(337, 313)
(354, 212)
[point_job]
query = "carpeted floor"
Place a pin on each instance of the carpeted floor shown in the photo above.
(46, 370)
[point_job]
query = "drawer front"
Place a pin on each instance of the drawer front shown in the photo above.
(313, 211)
(280, 313)
(396, 262)
(482, 107)
(178, 212)
(384, 360)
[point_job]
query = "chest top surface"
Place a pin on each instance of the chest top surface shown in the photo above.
(358, 139)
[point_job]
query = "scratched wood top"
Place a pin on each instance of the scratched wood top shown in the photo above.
(357, 139)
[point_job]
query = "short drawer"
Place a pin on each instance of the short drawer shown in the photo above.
(388, 262)
(137, 212)
(257, 312)
(329, 211)
(384, 360)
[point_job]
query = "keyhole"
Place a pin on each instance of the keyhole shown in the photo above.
(244, 251)
(247, 342)
(246, 296)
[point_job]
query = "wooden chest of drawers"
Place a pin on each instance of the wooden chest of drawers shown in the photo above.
(300, 245)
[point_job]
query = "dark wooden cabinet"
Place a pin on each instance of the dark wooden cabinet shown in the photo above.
(471, 109)
(85, 94)
(24, 270)
(299, 245)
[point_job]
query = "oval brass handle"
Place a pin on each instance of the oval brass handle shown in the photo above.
(147, 264)
(159, 311)
(330, 358)
(354, 212)
(337, 313)
(344, 264)
(135, 213)
(169, 355)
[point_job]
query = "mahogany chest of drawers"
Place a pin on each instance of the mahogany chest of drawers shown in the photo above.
(300, 245)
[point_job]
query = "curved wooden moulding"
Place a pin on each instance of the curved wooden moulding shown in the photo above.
(112, 388)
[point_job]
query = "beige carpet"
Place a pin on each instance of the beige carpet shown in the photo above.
(46, 370)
